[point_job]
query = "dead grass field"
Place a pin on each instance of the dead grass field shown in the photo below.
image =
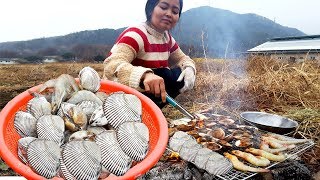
(224, 86)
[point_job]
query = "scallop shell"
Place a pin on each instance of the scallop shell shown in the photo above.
(82, 159)
(120, 107)
(177, 140)
(23, 144)
(202, 157)
(39, 106)
(133, 138)
(88, 107)
(114, 159)
(218, 164)
(64, 172)
(84, 95)
(43, 157)
(98, 118)
(51, 127)
(189, 150)
(25, 124)
(89, 79)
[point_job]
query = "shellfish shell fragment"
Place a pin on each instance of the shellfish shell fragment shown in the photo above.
(51, 127)
(120, 107)
(81, 159)
(114, 159)
(25, 124)
(89, 79)
(133, 138)
(43, 157)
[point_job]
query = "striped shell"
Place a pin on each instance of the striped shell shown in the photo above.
(39, 106)
(84, 95)
(202, 157)
(51, 127)
(120, 107)
(177, 140)
(113, 157)
(82, 160)
(189, 150)
(89, 79)
(25, 124)
(88, 107)
(133, 138)
(23, 144)
(43, 157)
(218, 164)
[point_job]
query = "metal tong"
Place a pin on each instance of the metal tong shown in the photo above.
(176, 105)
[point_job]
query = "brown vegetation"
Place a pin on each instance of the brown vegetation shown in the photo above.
(224, 86)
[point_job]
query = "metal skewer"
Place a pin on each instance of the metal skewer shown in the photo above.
(175, 104)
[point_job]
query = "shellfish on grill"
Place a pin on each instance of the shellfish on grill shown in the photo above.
(114, 159)
(177, 140)
(120, 107)
(25, 124)
(81, 160)
(51, 127)
(218, 164)
(189, 150)
(84, 95)
(23, 147)
(133, 138)
(89, 79)
(43, 157)
(39, 106)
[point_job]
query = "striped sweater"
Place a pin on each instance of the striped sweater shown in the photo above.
(140, 49)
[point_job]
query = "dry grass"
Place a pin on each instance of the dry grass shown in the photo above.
(223, 86)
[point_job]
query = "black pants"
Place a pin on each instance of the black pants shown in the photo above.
(170, 77)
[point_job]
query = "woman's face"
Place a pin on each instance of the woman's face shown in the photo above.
(165, 15)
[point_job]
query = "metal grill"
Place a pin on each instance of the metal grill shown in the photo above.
(291, 154)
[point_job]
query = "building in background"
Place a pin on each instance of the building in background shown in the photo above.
(292, 49)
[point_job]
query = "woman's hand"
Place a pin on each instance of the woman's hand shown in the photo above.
(154, 84)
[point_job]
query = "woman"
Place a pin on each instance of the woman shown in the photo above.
(147, 58)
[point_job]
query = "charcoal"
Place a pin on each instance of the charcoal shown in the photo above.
(294, 170)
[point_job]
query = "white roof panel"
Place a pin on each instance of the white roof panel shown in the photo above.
(308, 44)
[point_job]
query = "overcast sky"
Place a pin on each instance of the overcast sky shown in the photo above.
(30, 19)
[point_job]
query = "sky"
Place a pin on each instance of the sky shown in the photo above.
(31, 19)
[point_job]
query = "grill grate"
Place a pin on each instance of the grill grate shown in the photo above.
(291, 154)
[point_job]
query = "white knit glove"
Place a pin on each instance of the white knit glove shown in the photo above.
(189, 77)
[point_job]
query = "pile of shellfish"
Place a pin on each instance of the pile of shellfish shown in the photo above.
(219, 138)
(72, 131)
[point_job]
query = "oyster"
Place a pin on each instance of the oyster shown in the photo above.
(89, 79)
(114, 159)
(74, 117)
(25, 124)
(120, 107)
(81, 160)
(217, 133)
(43, 157)
(133, 138)
(51, 127)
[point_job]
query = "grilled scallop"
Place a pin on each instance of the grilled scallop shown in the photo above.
(39, 106)
(51, 127)
(89, 79)
(23, 147)
(81, 160)
(43, 157)
(133, 138)
(25, 124)
(120, 107)
(113, 158)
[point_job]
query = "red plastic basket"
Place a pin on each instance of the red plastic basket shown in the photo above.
(151, 116)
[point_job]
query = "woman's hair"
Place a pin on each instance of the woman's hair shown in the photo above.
(151, 4)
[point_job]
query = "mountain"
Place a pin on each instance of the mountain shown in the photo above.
(225, 33)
